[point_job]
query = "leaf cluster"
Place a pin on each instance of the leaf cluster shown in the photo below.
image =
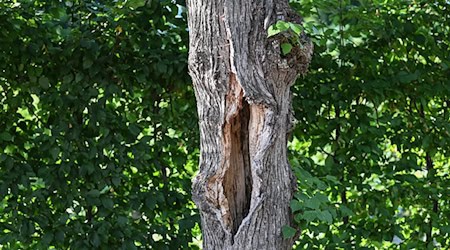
(292, 33)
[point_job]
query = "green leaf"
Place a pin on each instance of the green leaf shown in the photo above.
(162, 67)
(59, 236)
(345, 211)
(427, 141)
(105, 190)
(5, 136)
(309, 215)
(87, 63)
(150, 203)
(282, 25)
(288, 232)
(445, 229)
(47, 238)
(44, 82)
(107, 202)
(67, 79)
(88, 168)
(134, 4)
(297, 28)
(313, 203)
(325, 216)
(277, 28)
(79, 77)
(332, 179)
(122, 220)
(129, 244)
(329, 162)
(296, 206)
(54, 152)
(406, 77)
(272, 31)
(25, 113)
(95, 240)
(115, 181)
(286, 48)
(94, 193)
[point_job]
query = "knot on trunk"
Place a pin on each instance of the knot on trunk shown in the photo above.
(291, 48)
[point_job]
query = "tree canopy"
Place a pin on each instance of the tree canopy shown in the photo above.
(99, 135)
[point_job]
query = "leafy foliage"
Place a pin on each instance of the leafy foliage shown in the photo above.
(371, 147)
(282, 26)
(97, 141)
(292, 33)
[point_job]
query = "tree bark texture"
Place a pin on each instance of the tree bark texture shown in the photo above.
(242, 84)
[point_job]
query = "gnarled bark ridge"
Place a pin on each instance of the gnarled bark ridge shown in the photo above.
(242, 84)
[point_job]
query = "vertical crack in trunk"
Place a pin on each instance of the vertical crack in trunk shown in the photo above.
(237, 182)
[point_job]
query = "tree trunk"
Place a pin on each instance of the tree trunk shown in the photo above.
(242, 84)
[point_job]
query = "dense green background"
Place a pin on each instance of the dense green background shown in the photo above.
(98, 134)
(372, 146)
(99, 138)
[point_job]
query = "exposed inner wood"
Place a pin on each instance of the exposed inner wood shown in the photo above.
(237, 182)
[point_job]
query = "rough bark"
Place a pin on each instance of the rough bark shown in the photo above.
(242, 84)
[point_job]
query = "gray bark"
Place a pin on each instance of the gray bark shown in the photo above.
(242, 84)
